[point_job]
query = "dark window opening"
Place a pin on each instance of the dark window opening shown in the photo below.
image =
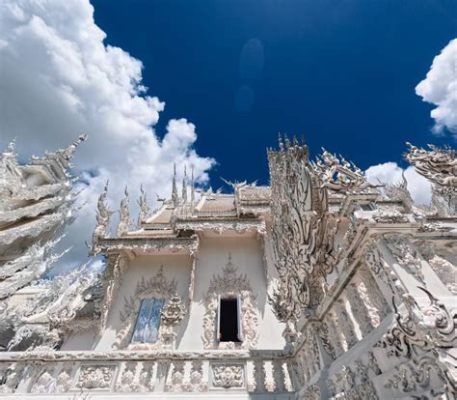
(229, 321)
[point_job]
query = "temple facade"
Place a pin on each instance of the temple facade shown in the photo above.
(318, 286)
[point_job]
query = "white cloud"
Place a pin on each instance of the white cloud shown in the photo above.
(390, 173)
(58, 79)
(440, 88)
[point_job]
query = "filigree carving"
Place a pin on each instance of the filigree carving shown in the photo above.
(423, 331)
(302, 232)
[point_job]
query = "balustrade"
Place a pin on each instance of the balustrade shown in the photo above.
(121, 374)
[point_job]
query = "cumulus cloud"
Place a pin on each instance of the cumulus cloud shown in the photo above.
(440, 88)
(390, 173)
(59, 79)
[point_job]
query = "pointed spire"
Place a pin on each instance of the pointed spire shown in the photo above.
(11, 147)
(174, 189)
(280, 141)
(10, 152)
(124, 222)
(192, 187)
(144, 207)
(184, 186)
(70, 150)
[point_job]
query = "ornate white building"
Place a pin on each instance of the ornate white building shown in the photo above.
(320, 286)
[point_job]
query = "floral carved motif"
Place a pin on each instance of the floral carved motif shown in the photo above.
(228, 376)
(96, 376)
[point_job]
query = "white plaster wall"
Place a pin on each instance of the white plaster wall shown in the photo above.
(81, 341)
(247, 255)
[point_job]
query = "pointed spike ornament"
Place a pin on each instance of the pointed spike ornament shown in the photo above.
(144, 207)
(192, 187)
(184, 186)
(174, 189)
(124, 221)
(103, 217)
(70, 150)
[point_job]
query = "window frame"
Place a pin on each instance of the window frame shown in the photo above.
(132, 342)
(239, 321)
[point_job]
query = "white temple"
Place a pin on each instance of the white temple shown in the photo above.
(319, 286)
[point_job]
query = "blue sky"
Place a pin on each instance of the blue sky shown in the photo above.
(341, 73)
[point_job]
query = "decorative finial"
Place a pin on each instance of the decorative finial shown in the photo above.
(11, 147)
(184, 186)
(103, 217)
(144, 206)
(174, 190)
(70, 150)
(192, 187)
(124, 221)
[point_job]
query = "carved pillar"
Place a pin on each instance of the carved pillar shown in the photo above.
(360, 310)
(336, 335)
(161, 375)
(377, 299)
(259, 376)
(278, 375)
(325, 342)
(387, 279)
(345, 323)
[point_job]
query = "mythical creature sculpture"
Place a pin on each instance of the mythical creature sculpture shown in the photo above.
(340, 175)
(440, 167)
(302, 232)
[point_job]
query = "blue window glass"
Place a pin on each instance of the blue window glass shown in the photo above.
(148, 321)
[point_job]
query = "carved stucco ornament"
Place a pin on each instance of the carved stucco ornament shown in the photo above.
(228, 376)
(440, 167)
(302, 232)
(230, 284)
(425, 336)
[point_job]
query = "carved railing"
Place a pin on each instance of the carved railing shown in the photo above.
(371, 339)
(140, 372)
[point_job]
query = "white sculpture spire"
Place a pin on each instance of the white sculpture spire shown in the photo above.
(174, 190)
(192, 187)
(70, 150)
(123, 226)
(184, 186)
(103, 216)
(144, 206)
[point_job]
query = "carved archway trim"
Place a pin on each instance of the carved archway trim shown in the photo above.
(230, 284)
(159, 287)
